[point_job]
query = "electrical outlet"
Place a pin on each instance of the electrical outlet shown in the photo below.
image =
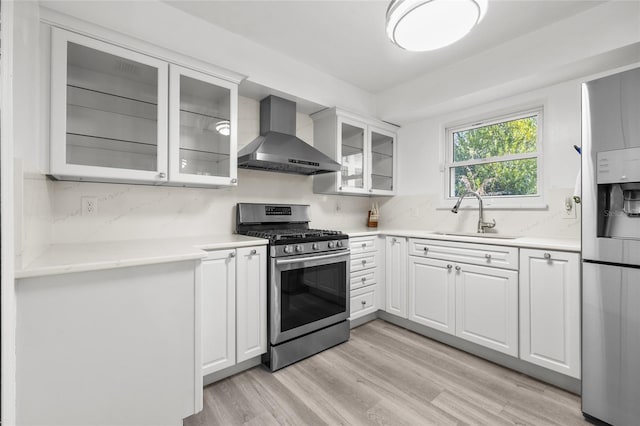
(89, 205)
(569, 208)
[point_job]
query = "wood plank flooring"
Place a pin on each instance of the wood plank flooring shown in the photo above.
(387, 375)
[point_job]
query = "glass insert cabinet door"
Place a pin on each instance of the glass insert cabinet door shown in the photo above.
(352, 174)
(382, 160)
(202, 123)
(109, 109)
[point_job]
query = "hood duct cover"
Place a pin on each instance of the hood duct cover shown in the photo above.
(278, 149)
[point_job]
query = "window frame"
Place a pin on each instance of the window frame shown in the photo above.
(501, 201)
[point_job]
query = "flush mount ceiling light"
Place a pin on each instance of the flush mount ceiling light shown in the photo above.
(223, 127)
(421, 25)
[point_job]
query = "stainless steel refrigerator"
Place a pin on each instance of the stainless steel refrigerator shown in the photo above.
(611, 248)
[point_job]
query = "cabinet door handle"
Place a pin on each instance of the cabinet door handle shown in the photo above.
(162, 175)
(547, 256)
(339, 188)
(371, 190)
(487, 256)
(232, 254)
(363, 302)
(449, 266)
(234, 180)
(254, 251)
(458, 268)
(393, 241)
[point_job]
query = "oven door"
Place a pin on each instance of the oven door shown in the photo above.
(307, 293)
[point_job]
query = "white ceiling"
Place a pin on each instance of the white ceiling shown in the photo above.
(347, 39)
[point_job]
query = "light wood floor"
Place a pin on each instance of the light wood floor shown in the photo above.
(387, 375)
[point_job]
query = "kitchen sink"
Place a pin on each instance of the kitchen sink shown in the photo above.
(477, 235)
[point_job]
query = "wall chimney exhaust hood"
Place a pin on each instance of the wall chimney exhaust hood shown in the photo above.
(277, 148)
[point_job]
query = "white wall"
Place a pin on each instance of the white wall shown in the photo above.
(603, 37)
(420, 204)
(139, 211)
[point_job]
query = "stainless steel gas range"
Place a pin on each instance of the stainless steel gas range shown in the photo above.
(308, 283)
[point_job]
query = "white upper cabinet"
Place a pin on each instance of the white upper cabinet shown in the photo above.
(108, 112)
(114, 120)
(203, 128)
(365, 148)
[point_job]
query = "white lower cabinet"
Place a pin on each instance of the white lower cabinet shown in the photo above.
(432, 293)
(218, 311)
(487, 307)
(364, 276)
(396, 276)
(234, 303)
(550, 310)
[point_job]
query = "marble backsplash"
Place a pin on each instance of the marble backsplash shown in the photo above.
(425, 212)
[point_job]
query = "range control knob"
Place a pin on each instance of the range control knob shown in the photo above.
(287, 249)
(315, 246)
(332, 244)
(339, 243)
(299, 248)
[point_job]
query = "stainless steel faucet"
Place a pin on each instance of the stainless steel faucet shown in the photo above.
(481, 223)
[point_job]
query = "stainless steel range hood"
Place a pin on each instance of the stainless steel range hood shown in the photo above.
(277, 148)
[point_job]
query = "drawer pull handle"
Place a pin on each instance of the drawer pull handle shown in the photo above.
(426, 249)
(364, 302)
(232, 254)
(364, 279)
(364, 262)
(364, 245)
(547, 256)
(487, 256)
(449, 266)
(458, 268)
(254, 251)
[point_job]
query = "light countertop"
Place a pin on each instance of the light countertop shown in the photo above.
(81, 257)
(543, 243)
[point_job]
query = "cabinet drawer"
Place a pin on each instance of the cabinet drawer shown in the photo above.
(475, 254)
(363, 301)
(363, 261)
(362, 244)
(363, 278)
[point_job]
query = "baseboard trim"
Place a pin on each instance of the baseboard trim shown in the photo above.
(230, 371)
(562, 381)
(363, 319)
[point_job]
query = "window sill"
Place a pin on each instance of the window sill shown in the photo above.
(539, 205)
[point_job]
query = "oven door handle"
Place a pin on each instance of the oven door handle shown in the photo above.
(311, 258)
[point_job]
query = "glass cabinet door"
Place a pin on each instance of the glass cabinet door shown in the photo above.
(352, 174)
(382, 160)
(109, 109)
(202, 122)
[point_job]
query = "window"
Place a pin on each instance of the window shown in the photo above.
(499, 158)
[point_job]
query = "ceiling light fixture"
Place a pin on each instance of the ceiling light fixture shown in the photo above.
(422, 25)
(223, 127)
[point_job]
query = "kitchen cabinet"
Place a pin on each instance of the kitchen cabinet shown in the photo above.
(234, 307)
(365, 148)
(452, 289)
(432, 293)
(118, 115)
(251, 302)
(487, 307)
(550, 310)
(364, 276)
(218, 311)
(117, 346)
(396, 276)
